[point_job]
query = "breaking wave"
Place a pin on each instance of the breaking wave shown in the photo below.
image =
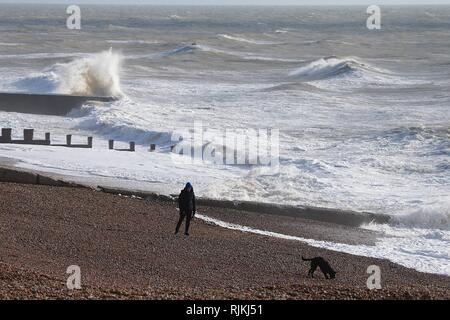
(418, 133)
(435, 216)
(93, 75)
(195, 48)
(331, 67)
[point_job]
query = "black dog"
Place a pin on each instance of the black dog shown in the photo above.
(323, 265)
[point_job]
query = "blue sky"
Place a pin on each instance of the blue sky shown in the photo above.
(241, 2)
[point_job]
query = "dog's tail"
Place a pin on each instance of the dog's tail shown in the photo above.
(306, 259)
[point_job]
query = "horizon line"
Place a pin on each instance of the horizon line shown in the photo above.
(231, 5)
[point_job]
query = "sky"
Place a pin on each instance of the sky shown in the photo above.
(238, 2)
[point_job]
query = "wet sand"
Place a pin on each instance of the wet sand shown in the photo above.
(126, 249)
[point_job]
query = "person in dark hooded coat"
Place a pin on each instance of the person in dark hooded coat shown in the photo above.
(186, 203)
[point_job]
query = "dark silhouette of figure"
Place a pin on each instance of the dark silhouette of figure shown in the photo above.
(186, 203)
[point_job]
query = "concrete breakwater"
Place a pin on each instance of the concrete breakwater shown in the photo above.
(13, 175)
(45, 104)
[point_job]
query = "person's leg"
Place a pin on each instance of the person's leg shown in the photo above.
(180, 221)
(188, 222)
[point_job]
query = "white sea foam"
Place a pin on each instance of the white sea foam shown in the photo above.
(427, 252)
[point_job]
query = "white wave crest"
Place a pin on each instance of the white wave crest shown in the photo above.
(434, 216)
(245, 40)
(93, 75)
(331, 67)
(133, 42)
(10, 44)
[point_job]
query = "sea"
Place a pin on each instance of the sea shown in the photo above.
(362, 115)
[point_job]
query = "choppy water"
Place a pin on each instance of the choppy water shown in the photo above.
(363, 115)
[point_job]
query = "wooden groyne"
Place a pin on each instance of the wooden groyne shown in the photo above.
(132, 147)
(69, 143)
(29, 139)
